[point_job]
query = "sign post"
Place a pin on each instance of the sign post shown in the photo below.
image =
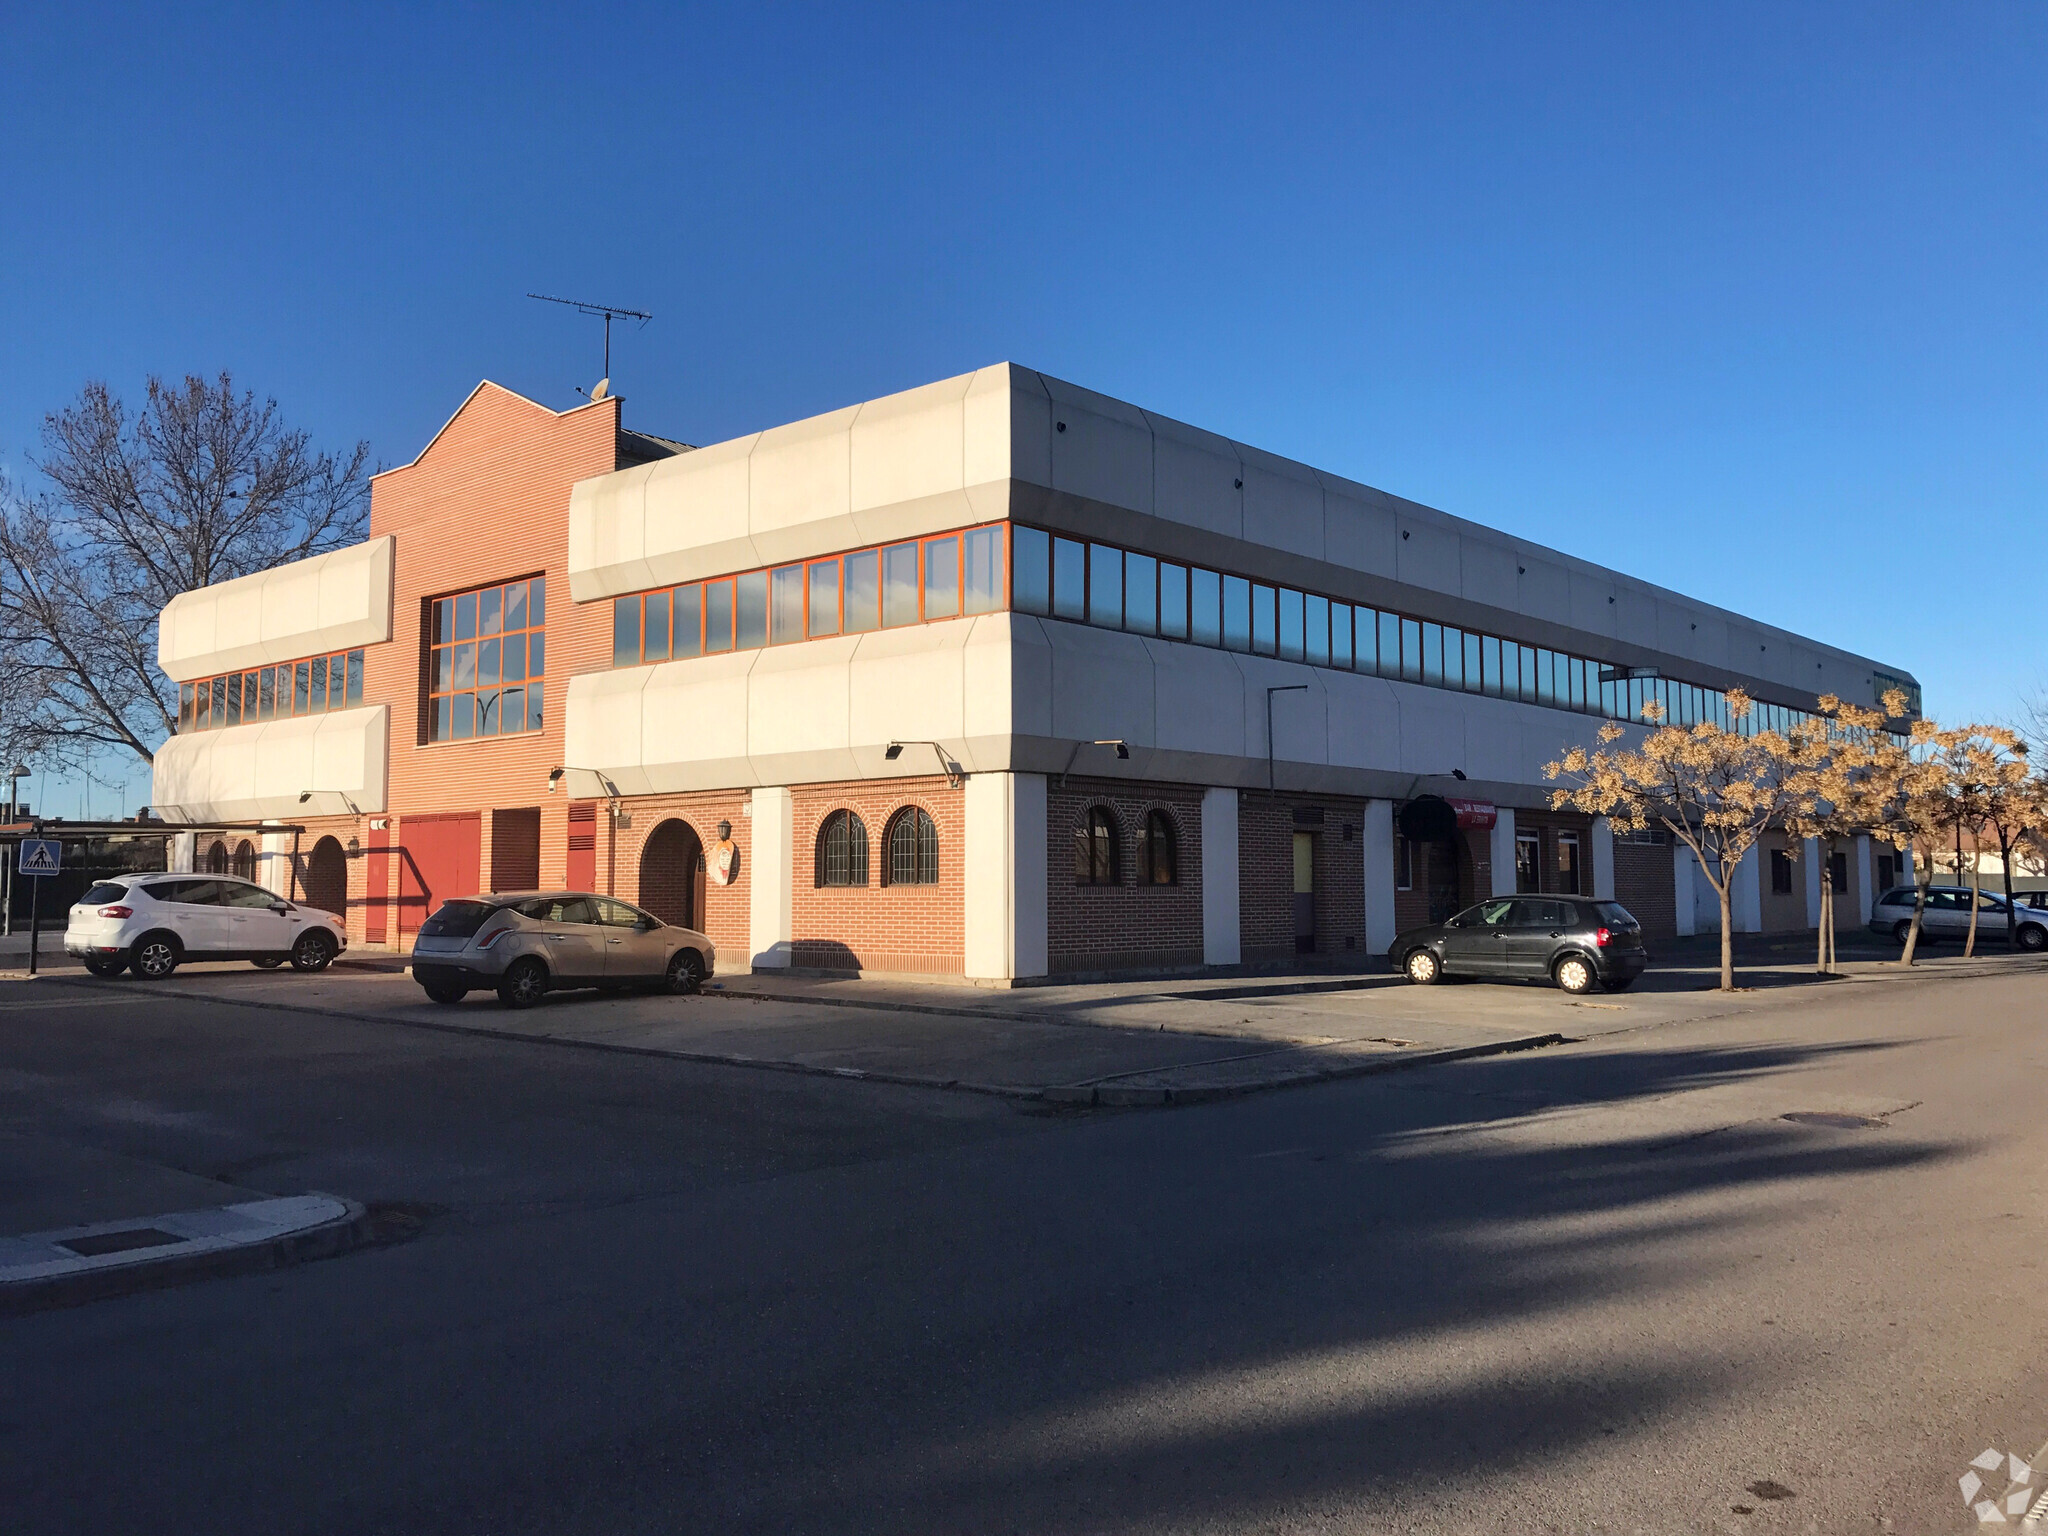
(40, 858)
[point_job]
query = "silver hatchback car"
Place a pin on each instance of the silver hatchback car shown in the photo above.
(525, 944)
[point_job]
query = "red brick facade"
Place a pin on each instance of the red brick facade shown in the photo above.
(879, 926)
(1128, 924)
(1266, 829)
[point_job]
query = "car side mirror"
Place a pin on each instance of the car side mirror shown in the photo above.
(646, 925)
(280, 907)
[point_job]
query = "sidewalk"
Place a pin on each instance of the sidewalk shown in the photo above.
(92, 1223)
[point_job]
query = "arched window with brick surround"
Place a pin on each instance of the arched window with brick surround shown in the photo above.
(843, 850)
(1158, 855)
(1095, 861)
(913, 848)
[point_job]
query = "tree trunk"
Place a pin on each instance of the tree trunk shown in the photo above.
(1976, 900)
(1722, 888)
(2012, 915)
(1925, 879)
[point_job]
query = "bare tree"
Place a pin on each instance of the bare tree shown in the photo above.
(201, 485)
(1715, 789)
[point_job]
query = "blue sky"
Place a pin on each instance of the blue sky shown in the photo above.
(1746, 300)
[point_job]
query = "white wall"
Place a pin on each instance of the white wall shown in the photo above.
(949, 453)
(1866, 872)
(770, 872)
(1603, 858)
(1378, 838)
(257, 772)
(1005, 876)
(1221, 935)
(1746, 894)
(1501, 851)
(332, 602)
(1810, 855)
(1686, 884)
(1007, 692)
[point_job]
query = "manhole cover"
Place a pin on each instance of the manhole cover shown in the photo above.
(119, 1242)
(1834, 1120)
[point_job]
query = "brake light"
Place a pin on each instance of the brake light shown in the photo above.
(117, 911)
(1603, 937)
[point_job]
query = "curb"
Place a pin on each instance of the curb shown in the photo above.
(329, 1240)
(1104, 1093)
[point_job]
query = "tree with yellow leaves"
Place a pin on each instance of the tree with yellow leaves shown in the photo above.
(1834, 793)
(1714, 789)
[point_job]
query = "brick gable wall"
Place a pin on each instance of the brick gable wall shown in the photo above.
(1125, 926)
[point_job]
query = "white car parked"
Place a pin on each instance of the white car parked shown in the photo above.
(152, 924)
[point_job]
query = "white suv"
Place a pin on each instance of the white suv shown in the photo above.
(154, 923)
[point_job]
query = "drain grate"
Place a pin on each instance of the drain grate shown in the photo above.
(119, 1242)
(1834, 1120)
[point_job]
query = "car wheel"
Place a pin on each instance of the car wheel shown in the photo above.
(1422, 967)
(267, 962)
(2033, 936)
(154, 956)
(313, 952)
(1575, 974)
(685, 972)
(111, 965)
(524, 983)
(1901, 929)
(447, 994)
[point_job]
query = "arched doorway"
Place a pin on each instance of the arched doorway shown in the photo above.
(217, 859)
(1446, 873)
(243, 864)
(672, 875)
(325, 882)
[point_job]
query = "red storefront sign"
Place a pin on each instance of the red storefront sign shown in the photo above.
(1479, 814)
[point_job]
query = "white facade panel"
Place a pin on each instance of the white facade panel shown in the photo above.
(1222, 935)
(1005, 876)
(332, 602)
(257, 772)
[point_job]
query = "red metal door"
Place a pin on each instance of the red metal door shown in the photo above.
(438, 857)
(582, 870)
(377, 892)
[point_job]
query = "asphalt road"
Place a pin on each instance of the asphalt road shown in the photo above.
(1604, 1287)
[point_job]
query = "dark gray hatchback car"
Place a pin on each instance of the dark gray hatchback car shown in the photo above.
(1574, 941)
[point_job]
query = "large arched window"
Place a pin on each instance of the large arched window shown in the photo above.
(843, 850)
(913, 848)
(244, 861)
(217, 859)
(1158, 862)
(1095, 848)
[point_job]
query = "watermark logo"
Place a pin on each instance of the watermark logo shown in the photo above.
(2019, 1502)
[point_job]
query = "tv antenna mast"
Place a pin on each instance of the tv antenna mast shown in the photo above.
(609, 311)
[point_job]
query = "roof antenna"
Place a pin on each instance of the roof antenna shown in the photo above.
(608, 311)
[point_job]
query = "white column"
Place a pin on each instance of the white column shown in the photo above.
(1866, 872)
(274, 862)
(1221, 942)
(1502, 855)
(1811, 857)
(1746, 895)
(1603, 858)
(770, 916)
(1005, 875)
(1685, 887)
(1378, 837)
(1906, 875)
(183, 849)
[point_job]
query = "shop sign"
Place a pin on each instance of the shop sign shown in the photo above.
(1476, 814)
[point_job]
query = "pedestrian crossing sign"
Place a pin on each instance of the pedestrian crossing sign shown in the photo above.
(41, 855)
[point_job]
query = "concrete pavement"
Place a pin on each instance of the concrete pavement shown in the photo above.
(1619, 1285)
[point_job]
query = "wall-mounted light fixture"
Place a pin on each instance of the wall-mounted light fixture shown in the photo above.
(307, 794)
(1123, 754)
(955, 774)
(619, 816)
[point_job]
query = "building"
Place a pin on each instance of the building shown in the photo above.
(995, 678)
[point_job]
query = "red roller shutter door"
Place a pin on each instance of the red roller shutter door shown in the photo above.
(438, 857)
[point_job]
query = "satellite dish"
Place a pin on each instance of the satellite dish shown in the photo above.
(603, 388)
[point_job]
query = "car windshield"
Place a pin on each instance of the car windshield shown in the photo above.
(457, 919)
(102, 892)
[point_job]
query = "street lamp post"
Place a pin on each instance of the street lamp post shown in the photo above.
(14, 777)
